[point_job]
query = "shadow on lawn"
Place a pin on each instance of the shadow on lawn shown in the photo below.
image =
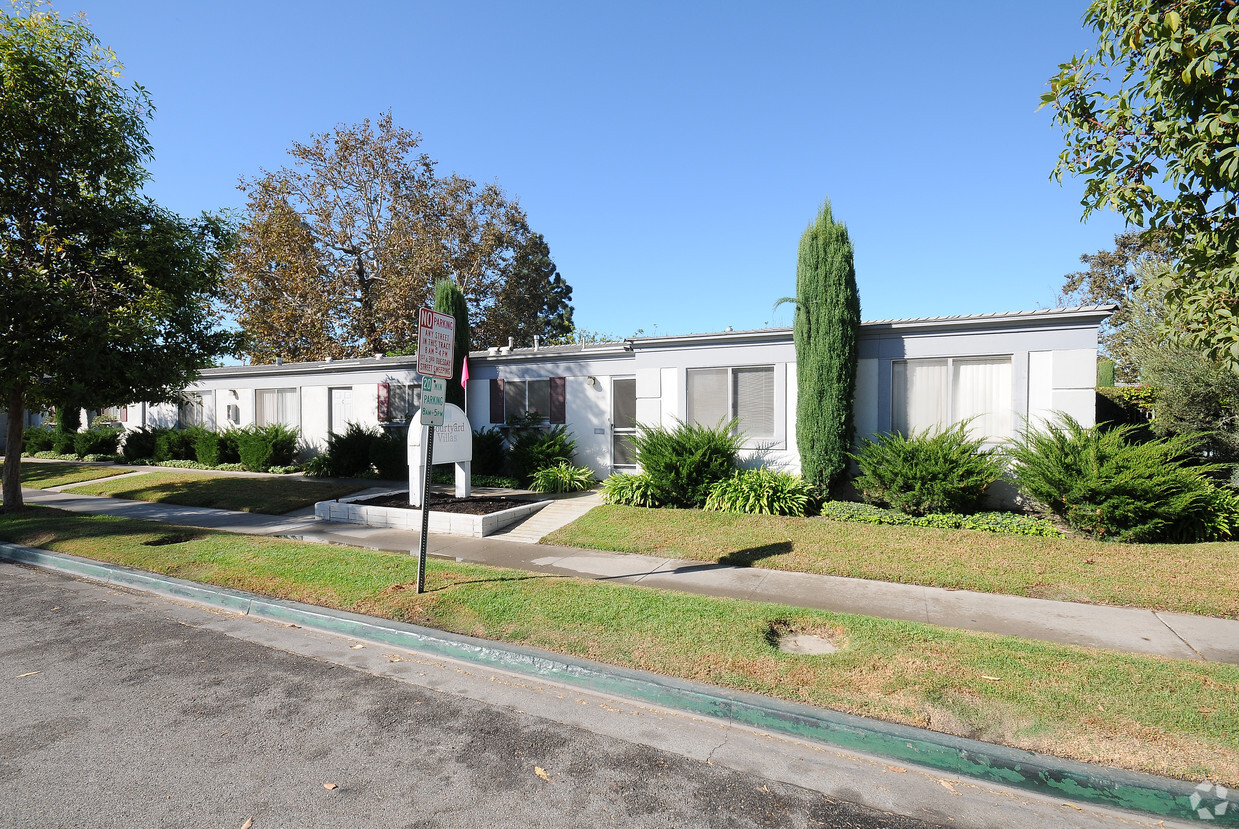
(746, 557)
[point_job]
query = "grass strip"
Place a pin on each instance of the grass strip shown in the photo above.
(1202, 579)
(269, 496)
(47, 475)
(1147, 714)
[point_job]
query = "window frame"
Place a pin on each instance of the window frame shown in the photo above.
(295, 406)
(777, 440)
(949, 392)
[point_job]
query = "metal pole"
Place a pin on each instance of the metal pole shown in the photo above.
(421, 556)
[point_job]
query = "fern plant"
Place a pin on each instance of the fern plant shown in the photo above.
(761, 492)
(927, 472)
(1106, 485)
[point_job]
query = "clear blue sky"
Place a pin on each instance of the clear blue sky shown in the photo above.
(671, 153)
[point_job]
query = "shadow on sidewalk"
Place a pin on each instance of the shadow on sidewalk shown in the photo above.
(746, 557)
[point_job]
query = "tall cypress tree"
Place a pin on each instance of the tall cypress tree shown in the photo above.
(826, 331)
(450, 300)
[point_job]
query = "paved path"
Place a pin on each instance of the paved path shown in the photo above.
(1135, 630)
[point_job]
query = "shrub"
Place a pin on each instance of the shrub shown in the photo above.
(217, 448)
(934, 471)
(389, 452)
(761, 492)
(177, 444)
(490, 457)
(96, 441)
(629, 491)
(1005, 523)
(684, 462)
(349, 451)
(62, 442)
(264, 447)
(533, 449)
(318, 466)
(37, 439)
(139, 445)
(1109, 487)
(563, 477)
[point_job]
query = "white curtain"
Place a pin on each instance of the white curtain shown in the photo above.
(276, 406)
(920, 398)
(981, 389)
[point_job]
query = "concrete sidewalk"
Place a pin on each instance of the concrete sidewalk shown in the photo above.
(1133, 630)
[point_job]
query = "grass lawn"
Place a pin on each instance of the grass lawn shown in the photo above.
(270, 496)
(1149, 714)
(43, 475)
(1188, 578)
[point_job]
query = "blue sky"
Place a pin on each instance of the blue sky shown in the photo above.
(671, 153)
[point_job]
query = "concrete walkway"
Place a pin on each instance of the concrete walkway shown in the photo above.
(1134, 630)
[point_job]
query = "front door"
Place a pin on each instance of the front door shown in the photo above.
(623, 422)
(341, 410)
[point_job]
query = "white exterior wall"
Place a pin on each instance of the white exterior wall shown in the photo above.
(1062, 381)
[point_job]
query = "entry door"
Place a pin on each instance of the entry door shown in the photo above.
(341, 410)
(623, 421)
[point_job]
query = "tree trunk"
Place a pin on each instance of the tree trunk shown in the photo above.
(16, 407)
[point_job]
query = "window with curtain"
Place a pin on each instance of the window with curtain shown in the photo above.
(275, 406)
(745, 393)
(934, 394)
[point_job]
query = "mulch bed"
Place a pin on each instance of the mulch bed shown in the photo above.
(479, 505)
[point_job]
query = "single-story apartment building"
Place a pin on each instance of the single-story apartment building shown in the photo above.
(999, 369)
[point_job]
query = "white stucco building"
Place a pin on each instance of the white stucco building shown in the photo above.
(999, 369)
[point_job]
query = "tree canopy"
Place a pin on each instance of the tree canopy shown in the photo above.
(535, 300)
(339, 250)
(1151, 123)
(107, 296)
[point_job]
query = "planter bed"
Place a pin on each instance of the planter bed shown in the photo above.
(453, 519)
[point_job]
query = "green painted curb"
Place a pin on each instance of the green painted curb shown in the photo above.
(1042, 774)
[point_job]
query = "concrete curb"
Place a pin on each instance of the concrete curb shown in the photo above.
(1041, 774)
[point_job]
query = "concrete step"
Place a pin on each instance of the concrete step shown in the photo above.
(550, 518)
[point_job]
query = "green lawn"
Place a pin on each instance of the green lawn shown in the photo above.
(271, 496)
(1188, 578)
(43, 475)
(1149, 714)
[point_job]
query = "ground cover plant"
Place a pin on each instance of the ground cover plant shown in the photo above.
(1149, 714)
(563, 477)
(270, 496)
(1188, 578)
(47, 475)
(761, 492)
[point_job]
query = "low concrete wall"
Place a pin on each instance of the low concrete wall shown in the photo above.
(441, 523)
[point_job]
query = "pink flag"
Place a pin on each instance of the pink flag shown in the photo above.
(464, 372)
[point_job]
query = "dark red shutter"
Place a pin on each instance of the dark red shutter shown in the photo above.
(384, 402)
(496, 401)
(559, 396)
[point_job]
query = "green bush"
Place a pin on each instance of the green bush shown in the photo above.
(446, 474)
(389, 452)
(629, 491)
(935, 471)
(563, 477)
(490, 456)
(533, 449)
(37, 439)
(96, 441)
(139, 445)
(349, 451)
(218, 448)
(1107, 486)
(318, 466)
(177, 444)
(264, 447)
(1004, 523)
(684, 462)
(62, 442)
(761, 492)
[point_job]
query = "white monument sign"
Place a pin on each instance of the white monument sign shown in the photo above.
(453, 443)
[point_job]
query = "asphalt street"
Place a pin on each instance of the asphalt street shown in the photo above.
(124, 710)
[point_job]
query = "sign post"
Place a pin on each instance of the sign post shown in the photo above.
(436, 342)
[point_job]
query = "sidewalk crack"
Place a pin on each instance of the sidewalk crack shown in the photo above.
(1186, 643)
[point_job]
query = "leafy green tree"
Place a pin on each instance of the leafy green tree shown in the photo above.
(450, 300)
(535, 300)
(1151, 123)
(826, 331)
(107, 297)
(338, 251)
(1114, 277)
